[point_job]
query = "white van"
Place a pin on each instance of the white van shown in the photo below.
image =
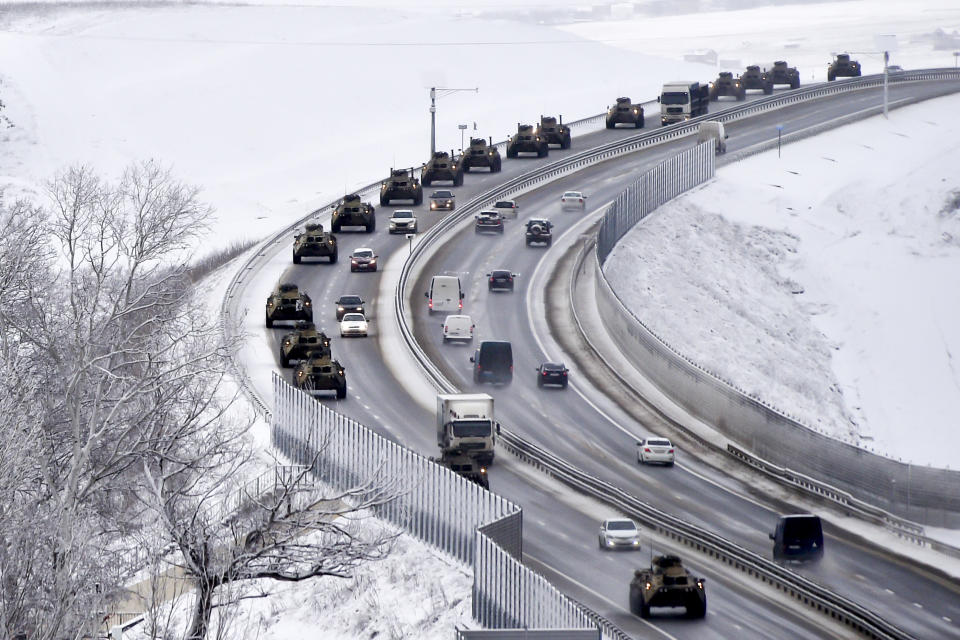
(713, 130)
(458, 328)
(445, 294)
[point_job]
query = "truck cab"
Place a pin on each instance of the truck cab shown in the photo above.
(466, 425)
(681, 100)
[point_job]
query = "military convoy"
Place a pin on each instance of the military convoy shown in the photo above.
(625, 112)
(781, 73)
(481, 154)
(667, 584)
(320, 372)
(287, 302)
(401, 185)
(527, 140)
(727, 85)
(843, 66)
(351, 212)
(304, 339)
(539, 231)
(442, 166)
(314, 242)
(554, 132)
(754, 78)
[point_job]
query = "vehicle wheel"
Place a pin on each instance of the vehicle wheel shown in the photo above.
(418, 199)
(639, 124)
(567, 143)
(333, 256)
(540, 384)
(416, 229)
(795, 83)
(372, 226)
(335, 227)
(353, 269)
(426, 179)
(500, 230)
(511, 153)
(564, 384)
(284, 360)
(458, 181)
(741, 96)
(549, 242)
(444, 339)
(476, 230)
(831, 77)
(384, 201)
(640, 459)
(489, 287)
(714, 97)
(542, 153)
(768, 89)
(610, 125)
(309, 317)
(496, 166)
(670, 464)
(341, 392)
(644, 609)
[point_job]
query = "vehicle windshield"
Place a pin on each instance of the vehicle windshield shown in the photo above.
(442, 194)
(363, 253)
(798, 529)
(354, 317)
(572, 194)
(551, 366)
(350, 300)
(402, 214)
(620, 525)
(501, 274)
(471, 428)
(659, 443)
(675, 97)
(504, 204)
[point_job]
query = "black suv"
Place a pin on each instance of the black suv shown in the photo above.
(552, 373)
(349, 304)
(500, 279)
(488, 221)
(539, 232)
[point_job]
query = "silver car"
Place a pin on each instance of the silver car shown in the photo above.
(656, 449)
(619, 533)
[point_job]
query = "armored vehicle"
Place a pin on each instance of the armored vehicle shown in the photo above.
(667, 584)
(754, 78)
(843, 66)
(442, 166)
(539, 231)
(401, 185)
(481, 154)
(783, 74)
(527, 139)
(318, 372)
(287, 302)
(351, 212)
(302, 340)
(314, 242)
(625, 112)
(467, 466)
(727, 85)
(554, 132)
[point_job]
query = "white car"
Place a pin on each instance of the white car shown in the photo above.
(458, 327)
(573, 200)
(403, 221)
(656, 449)
(353, 324)
(619, 533)
(506, 208)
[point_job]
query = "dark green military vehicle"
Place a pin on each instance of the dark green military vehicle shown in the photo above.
(782, 73)
(843, 67)
(754, 78)
(525, 140)
(401, 185)
(442, 166)
(351, 212)
(554, 131)
(481, 154)
(625, 112)
(727, 85)
(314, 242)
(287, 302)
(667, 584)
(319, 372)
(302, 340)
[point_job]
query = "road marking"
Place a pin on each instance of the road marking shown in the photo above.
(945, 619)
(889, 591)
(859, 577)
(918, 605)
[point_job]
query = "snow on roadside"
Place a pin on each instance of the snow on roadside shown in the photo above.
(824, 282)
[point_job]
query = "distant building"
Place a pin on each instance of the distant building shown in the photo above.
(705, 56)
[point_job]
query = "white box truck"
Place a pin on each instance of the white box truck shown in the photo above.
(681, 100)
(466, 425)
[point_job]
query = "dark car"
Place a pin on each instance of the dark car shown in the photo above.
(363, 259)
(500, 280)
(349, 304)
(488, 222)
(493, 362)
(442, 199)
(552, 373)
(798, 537)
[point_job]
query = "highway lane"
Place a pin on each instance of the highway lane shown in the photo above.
(376, 399)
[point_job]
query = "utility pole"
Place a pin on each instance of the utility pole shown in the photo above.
(433, 111)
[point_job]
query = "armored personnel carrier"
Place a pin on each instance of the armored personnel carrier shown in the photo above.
(781, 73)
(314, 242)
(843, 66)
(539, 231)
(351, 212)
(754, 78)
(625, 112)
(481, 154)
(302, 340)
(318, 372)
(554, 132)
(667, 584)
(401, 185)
(727, 85)
(442, 166)
(527, 139)
(287, 302)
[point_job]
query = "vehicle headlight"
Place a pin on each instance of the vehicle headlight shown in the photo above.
(339, 308)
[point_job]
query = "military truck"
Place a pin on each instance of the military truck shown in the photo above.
(667, 584)
(401, 185)
(843, 66)
(527, 139)
(302, 340)
(682, 100)
(319, 372)
(351, 212)
(625, 112)
(314, 242)
(554, 132)
(287, 302)
(754, 78)
(781, 73)
(442, 166)
(465, 465)
(481, 154)
(539, 231)
(727, 85)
